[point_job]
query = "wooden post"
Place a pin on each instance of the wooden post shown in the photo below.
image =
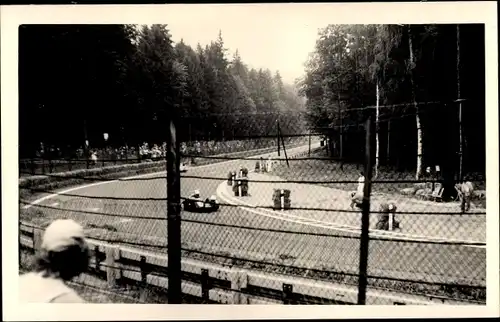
(388, 156)
(97, 259)
(284, 150)
(282, 198)
(365, 219)
(278, 135)
(287, 294)
(309, 154)
(33, 169)
(37, 238)
(239, 281)
(205, 285)
(144, 278)
(113, 273)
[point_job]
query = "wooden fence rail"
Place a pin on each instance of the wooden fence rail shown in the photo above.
(221, 284)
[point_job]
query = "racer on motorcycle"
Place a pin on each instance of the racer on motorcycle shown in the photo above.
(196, 197)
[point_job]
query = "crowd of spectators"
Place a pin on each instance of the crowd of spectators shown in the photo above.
(148, 150)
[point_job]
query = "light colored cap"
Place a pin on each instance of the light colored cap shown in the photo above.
(213, 197)
(197, 192)
(62, 233)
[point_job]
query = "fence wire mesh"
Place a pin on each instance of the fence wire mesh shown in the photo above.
(288, 204)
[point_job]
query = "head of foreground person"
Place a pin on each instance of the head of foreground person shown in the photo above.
(64, 252)
(63, 255)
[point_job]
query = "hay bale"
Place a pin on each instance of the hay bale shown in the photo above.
(243, 184)
(479, 194)
(422, 192)
(408, 191)
(277, 194)
(420, 185)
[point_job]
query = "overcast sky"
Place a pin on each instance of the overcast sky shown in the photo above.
(278, 40)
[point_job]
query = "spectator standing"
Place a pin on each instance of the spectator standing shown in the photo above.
(361, 183)
(93, 157)
(465, 191)
(64, 254)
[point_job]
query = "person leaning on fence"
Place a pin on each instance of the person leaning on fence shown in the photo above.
(64, 255)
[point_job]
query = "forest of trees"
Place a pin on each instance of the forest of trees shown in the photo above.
(415, 74)
(80, 81)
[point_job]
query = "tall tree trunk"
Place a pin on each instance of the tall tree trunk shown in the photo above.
(388, 154)
(341, 152)
(417, 117)
(377, 151)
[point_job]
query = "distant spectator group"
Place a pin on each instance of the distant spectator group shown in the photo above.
(147, 150)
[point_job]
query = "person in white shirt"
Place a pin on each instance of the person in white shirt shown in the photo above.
(465, 191)
(64, 254)
(361, 183)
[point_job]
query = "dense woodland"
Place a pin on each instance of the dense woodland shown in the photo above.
(78, 82)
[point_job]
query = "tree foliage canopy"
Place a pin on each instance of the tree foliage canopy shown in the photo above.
(349, 60)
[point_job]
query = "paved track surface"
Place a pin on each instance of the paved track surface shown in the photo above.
(433, 263)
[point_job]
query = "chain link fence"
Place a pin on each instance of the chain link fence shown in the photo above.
(289, 204)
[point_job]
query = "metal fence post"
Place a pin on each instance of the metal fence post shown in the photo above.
(33, 166)
(174, 220)
(365, 219)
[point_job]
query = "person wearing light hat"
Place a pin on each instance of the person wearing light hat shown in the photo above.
(64, 254)
(196, 198)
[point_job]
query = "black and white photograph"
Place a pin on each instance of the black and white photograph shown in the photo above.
(276, 159)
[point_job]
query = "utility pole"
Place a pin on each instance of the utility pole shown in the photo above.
(365, 219)
(283, 142)
(377, 151)
(278, 135)
(309, 154)
(174, 216)
(86, 143)
(460, 153)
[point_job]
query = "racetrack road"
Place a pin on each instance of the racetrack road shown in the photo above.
(339, 253)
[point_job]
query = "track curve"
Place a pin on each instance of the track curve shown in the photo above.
(432, 263)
